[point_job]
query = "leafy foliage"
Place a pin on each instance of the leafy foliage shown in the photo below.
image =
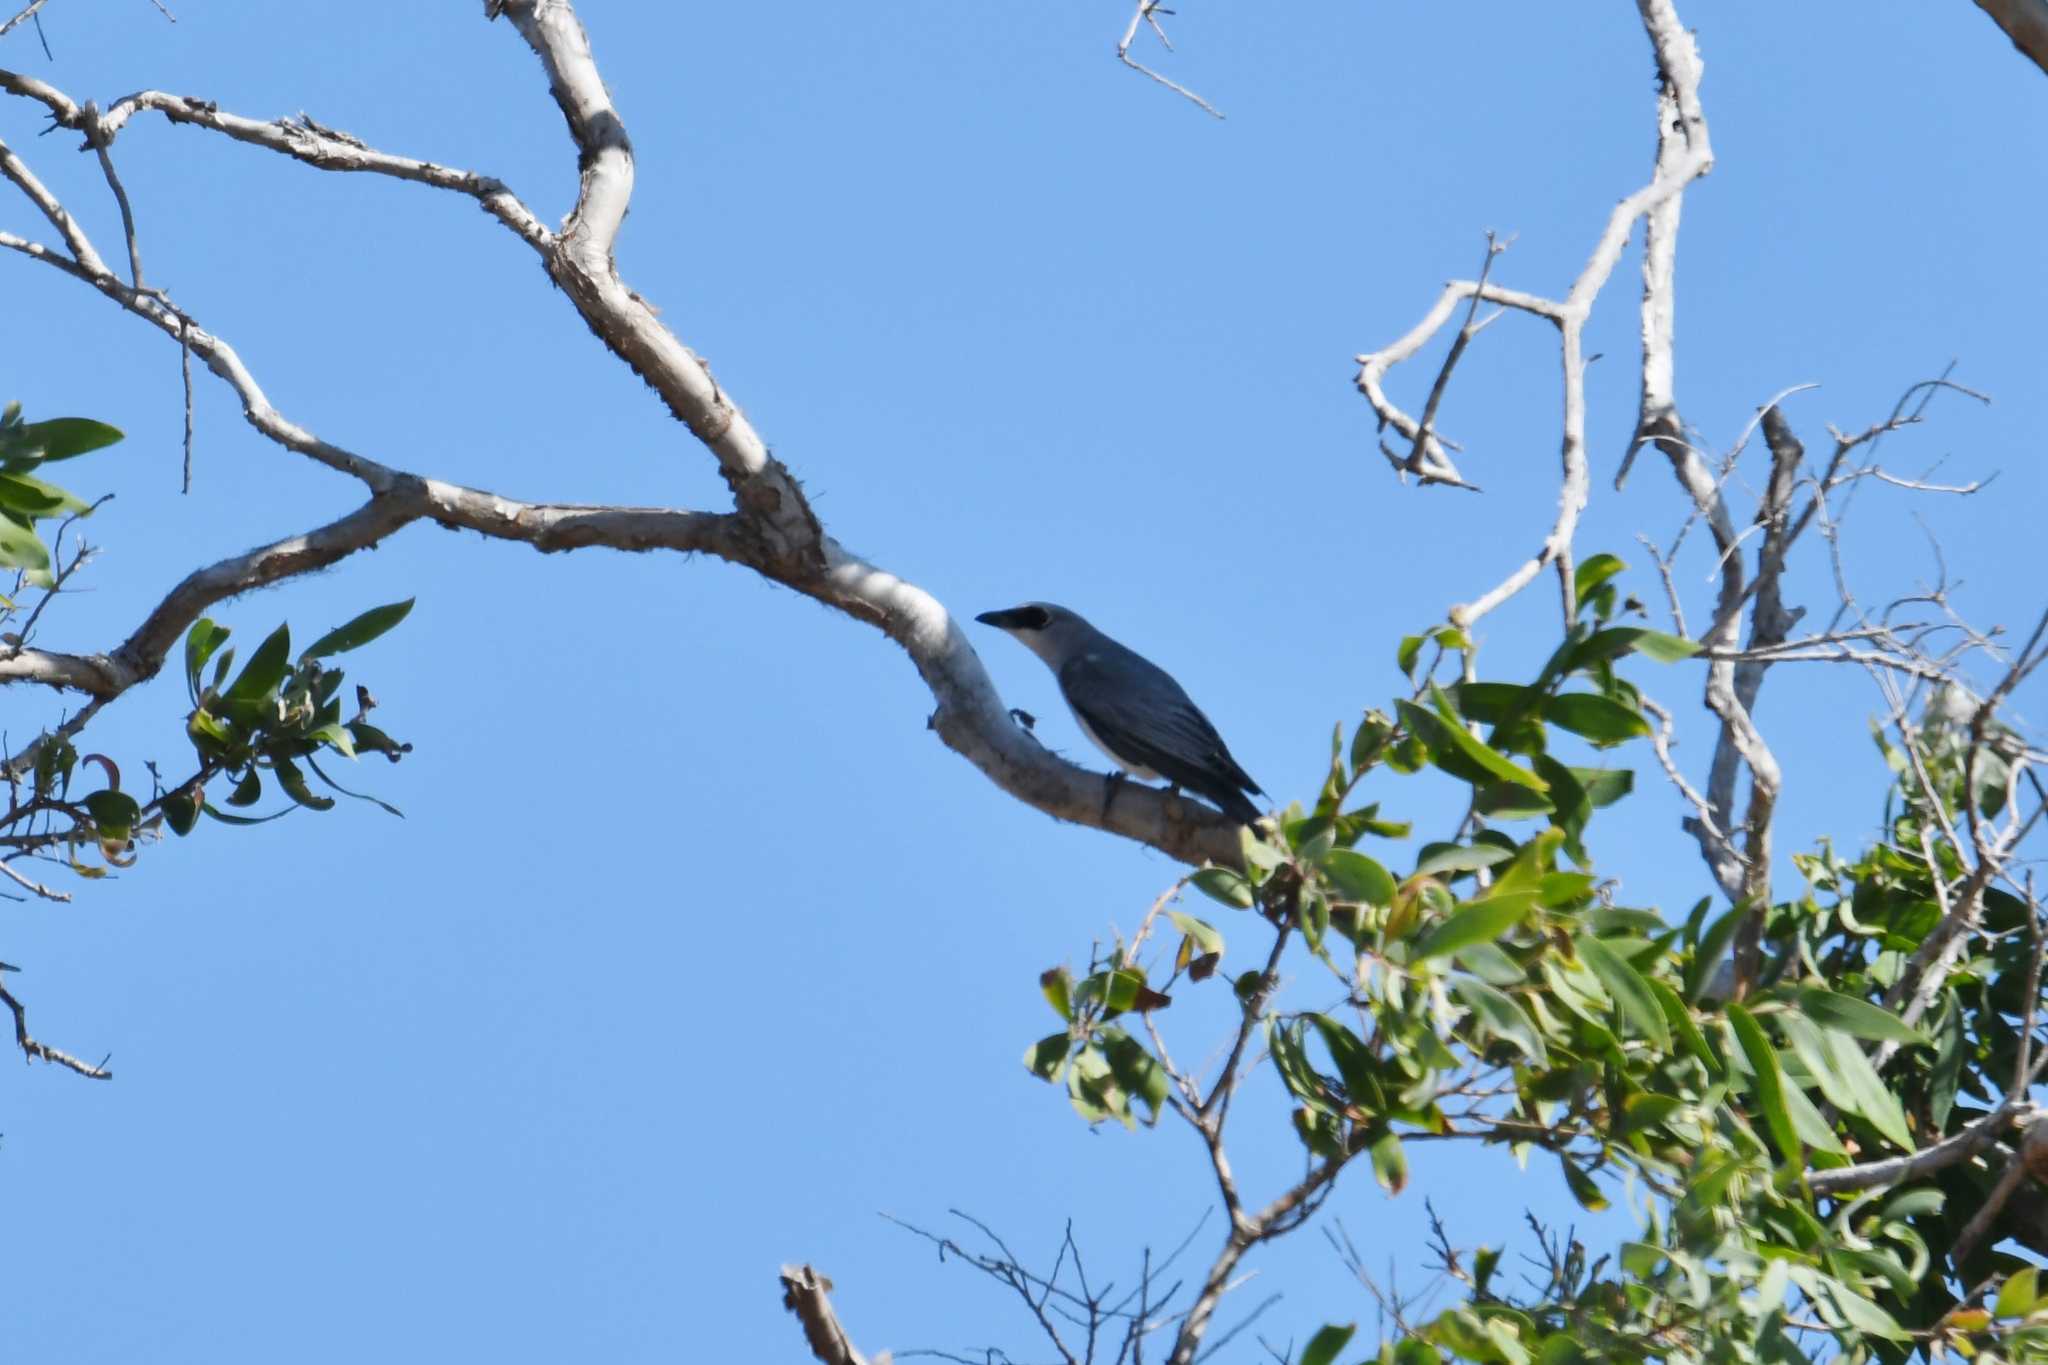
(1496, 992)
(277, 716)
(25, 500)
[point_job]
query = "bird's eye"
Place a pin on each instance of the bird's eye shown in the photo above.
(1037, 618)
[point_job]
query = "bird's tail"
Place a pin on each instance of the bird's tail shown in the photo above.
(1235, 805)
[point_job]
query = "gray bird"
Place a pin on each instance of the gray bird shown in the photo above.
(1130, 708)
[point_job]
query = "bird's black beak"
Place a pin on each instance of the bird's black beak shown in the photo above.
(1008, 619)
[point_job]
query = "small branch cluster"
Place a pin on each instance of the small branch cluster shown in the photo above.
(1685, 153)
(1147, 14)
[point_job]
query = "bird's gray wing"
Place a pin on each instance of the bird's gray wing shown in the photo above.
(1144, 716)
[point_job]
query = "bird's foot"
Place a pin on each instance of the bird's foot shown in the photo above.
(1109, 787)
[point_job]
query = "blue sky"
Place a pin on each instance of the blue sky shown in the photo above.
(695, 949)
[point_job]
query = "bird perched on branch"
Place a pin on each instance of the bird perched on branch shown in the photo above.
(1130, 708)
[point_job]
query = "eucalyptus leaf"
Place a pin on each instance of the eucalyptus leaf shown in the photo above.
(1323, 1347)
(1628, 987)
(360, 631)
(1599, 719)
(1767, 1083)
(1499, 1015)
(1473, 922)
(1858, 1018)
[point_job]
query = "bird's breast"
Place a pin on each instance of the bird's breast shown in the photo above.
(1137, 770)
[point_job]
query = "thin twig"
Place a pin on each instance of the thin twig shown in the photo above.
(96, 135)
(43, 1051)
(23, 17)
(1145, 14)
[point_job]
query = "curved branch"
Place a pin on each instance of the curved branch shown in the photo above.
(142, 654)
(582, 263)
(1892, 1170)
(43, 1051)
(302, 139)
(772, 530)
(1684, 155)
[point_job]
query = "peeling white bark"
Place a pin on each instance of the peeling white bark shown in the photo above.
(772, 528)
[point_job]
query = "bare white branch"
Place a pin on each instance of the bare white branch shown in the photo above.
(773, 531)
(1684, 155)
(301, 139)
(1147, 13)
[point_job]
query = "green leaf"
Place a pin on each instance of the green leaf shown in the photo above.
(1116, 991)
(1408, 653)
(360, 631)
(378, 802)
(1616, 641)
(1807, 1122)
(265, 669)
(1360, 1072)
(1313, 913)
(1630, 990)
(1680, 1018)
(1857, 1017)
(1457, 751)
(1810, 1045)
(1203, 933)
(1767, 1083)
(2018, 1295)
(294, 783)
(1373, 732)
(1358, 877)
(1649, 1111)
(1322, 1348)
(1438, 858)
(1057, 985)
(1290, 1059)
(1945, 1077)
(227, 819)
(249, 790)
(1473, 922)
(1224, 884)
(1091, 1089)
(1487, 962)
(63, 437)
(1849, 1307)
(369, 739)
(1919, 1203)
(337, 736)
(200, 643)
(1506, 801)
(1499, 1015)
(181, 812)
(1136, 1070)
(20, 548)
(35, 498)
(1390, 1163)
(1582, 1185)
(115, 812)
(1591, 716)
(1590, 574)
(1604, 786)
(1872, 1097)
(1490, 703)
(1699, 973)
(1046, 1057)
